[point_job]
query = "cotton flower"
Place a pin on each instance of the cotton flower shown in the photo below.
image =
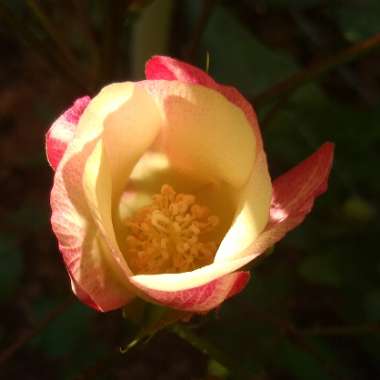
(162, 191)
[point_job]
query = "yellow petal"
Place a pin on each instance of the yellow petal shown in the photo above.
(188, 280)
(204, 134)
(252, 215)
(128, 132)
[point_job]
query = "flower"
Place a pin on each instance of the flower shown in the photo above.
(162, 191)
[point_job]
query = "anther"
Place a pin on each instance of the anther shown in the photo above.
(169, 235)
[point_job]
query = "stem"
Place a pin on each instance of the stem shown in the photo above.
(317, 69)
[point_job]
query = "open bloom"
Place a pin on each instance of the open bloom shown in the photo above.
(162, 191)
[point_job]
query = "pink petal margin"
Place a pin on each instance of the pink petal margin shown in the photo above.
(167, 68)
(62, 131)
(294, 194)
(202, 298)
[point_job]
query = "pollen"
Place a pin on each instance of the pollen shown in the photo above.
(171, 235)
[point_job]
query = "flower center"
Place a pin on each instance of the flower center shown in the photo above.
(170, 235)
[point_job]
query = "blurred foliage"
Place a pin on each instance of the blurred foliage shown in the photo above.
(325, 273)
(11, 265)
(358, 19)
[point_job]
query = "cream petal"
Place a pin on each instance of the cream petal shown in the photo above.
(91, 269)
(204, 134)
(180, 281)
(97, 185)
(127, 135)
(81, 214)
(252, 216)
(161, 67)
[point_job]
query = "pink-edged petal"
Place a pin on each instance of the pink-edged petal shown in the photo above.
(167, 68)
(93, 278)
(201, 298)
(252, 215)
(82, 295)
(95, 267)
(203, 134)
(293, 196)
(62, 131)
(173, 287)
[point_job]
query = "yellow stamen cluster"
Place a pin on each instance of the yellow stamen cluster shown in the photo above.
(170, 235)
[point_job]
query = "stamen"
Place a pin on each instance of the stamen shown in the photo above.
(169, 235)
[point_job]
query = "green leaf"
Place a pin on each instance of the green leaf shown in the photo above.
(358, 20)
(238, 58)
(64, 334)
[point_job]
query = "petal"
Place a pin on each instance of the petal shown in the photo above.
(201, 298)
(93, 279)
(172, 282)
(62, 131)
(234, 252)
(166, 68)
(128, 132)
(82, 295)
(252, 215)
(293, 196)
(204, 134)
(95, 266)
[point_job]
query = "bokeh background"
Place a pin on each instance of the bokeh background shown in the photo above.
(312, 309)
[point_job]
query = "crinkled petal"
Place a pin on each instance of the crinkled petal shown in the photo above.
(62, 131)
(200, 298)
(293, 196)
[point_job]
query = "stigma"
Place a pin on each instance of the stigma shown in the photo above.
(172, 235)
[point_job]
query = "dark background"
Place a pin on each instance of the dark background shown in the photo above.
(312, 308)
